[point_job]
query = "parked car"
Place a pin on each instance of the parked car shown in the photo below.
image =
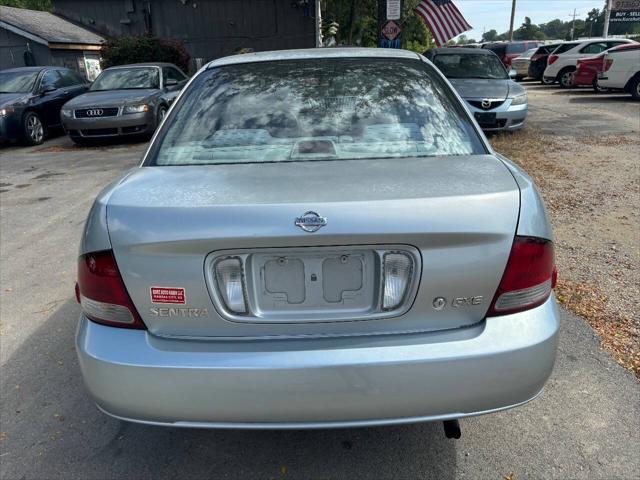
(521, 64)
(507, 51)
(622, 70)
(586, 74)
(317, 238)
(564, 59)
(31, 98)
(538, 62)
(129, 100)
(496, 101)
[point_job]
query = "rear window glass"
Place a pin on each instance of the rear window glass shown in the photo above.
(516, 48)
(565, 47)
(498, 48)
(320, 109)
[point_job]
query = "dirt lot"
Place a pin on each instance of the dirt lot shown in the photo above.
(585, 424)
(583, 151)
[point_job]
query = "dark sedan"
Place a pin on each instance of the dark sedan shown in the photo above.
(128, 100)
(31, 98)
(538, 61)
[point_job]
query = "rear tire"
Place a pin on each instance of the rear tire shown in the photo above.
(597, 88)
(565, 78)
(634, 87)
(32, 129)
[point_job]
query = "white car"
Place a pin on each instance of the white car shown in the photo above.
(622, 70)
(564, 59)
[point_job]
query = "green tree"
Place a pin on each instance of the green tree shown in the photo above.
(30, 4)
(490, 36)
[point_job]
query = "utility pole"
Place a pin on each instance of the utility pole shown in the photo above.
(607, 18)
(513, 15)
(573, 24)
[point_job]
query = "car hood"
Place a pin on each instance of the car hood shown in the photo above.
(481, 88)
(7, 99)
(111, 98)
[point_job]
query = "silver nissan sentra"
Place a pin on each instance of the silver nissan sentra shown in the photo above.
(317, 238)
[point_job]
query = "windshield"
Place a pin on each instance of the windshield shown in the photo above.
(320, 109)
(17, 82)
(470, 65)
(127, 78)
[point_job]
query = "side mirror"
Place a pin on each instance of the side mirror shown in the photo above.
(170, 82)
(48, 89)
(512, 73)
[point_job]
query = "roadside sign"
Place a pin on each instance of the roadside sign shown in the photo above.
(627, 11)
(393, 9)
(391, 30)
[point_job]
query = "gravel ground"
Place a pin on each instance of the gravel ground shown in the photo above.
(590, 180)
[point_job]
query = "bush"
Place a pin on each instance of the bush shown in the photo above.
(141, 48)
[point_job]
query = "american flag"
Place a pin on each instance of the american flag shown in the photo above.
(443, 19)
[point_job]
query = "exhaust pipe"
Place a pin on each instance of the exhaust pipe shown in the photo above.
(452, 429)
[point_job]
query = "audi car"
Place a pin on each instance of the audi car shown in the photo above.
(317, 238)
(497, 102)
(31, 98)
(124, 101)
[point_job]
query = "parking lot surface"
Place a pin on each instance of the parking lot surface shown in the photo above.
(586, 424)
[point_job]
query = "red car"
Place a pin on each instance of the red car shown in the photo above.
(507, 51)
(586, 74)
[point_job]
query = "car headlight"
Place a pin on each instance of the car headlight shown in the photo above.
(5, 111)
(66, 112)
(519, 99)
(136, 108)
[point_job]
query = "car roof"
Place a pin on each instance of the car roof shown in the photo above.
(145, 64)
(474, 51)
(26, 69)
(313, 53)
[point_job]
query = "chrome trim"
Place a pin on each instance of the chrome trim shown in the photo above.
(311, 316)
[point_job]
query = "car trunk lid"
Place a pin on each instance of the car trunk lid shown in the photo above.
(457, 215)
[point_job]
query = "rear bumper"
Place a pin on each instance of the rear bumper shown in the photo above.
(319, 383)
(583, 79)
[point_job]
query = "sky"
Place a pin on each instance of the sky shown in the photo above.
(496, 14)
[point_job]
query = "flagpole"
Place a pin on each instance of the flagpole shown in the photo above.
(513, 14)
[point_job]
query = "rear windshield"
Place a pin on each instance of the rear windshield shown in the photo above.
(565, 47)
(516, 48)
(471, 65)
(320, 109)
(547, 49)
(498, 48)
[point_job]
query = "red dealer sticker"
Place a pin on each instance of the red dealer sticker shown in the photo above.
(167, 295)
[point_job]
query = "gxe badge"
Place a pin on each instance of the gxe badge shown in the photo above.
(310, 222)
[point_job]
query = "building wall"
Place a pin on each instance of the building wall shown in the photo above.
(13, 46)
(208, 28)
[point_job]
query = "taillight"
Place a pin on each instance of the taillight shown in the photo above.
(102, 294)
(607, 64)
(528, 279)
(552, 59)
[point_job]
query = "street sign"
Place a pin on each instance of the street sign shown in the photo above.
(391, 30)
(393, 9)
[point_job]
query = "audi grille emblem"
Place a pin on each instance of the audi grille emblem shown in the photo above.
(486, 103)
(96, 112)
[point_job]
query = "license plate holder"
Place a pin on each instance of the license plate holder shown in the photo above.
(485, 118)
